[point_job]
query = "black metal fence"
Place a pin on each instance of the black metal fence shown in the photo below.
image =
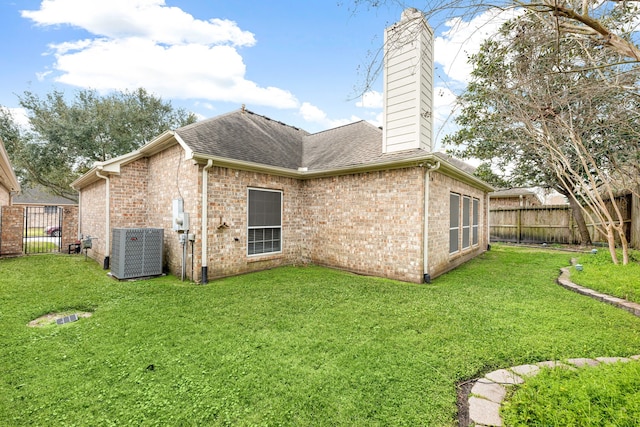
(42, 229)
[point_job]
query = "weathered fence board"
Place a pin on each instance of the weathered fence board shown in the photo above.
(555, 224)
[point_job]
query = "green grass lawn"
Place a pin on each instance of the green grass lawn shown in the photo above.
(35, 232)
(605, 395)
(599, 273)
(290, 346)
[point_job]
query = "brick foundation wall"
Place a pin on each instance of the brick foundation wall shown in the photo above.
(369, 223)
(11, 229)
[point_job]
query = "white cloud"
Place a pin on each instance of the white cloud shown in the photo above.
(313, 114)
(150, 19)
(19, 116)
(464, 38)
(371, 99)
(144, 43)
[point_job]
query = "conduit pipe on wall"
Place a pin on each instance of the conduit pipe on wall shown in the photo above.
(205, 221)
(107, 238)
(429, 167)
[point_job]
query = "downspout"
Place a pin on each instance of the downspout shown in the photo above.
(425, 251)
(79, 215)
(107, 238)
(204, 279)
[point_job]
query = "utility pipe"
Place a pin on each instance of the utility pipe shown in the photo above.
(205, 221)
(79, 215)
(425, 251)
(107, 238)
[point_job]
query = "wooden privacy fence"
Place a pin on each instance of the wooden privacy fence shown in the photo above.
(533, 224)
(555, 223)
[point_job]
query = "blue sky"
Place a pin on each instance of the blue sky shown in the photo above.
(298, 62)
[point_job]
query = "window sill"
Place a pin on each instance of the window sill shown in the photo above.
(265, 257)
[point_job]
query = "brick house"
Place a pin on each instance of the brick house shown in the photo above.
(261, 194)
(9, 185)
(10, 216)
(514, 198)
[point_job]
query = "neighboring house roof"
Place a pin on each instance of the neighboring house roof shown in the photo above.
(7, 175)
(245, 140)
(39, 196)
(512, 192)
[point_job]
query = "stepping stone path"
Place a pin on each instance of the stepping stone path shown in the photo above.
(488, 393)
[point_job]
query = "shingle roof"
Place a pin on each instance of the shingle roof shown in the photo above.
(39, 196)
(246, 136)
(243, 135)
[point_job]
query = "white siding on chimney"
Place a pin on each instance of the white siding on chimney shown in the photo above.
(408, 84)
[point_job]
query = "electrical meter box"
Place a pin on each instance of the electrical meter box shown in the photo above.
(136, 252)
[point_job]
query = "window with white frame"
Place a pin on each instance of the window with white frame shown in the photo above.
(464, 218)
(264, 233)
(454, 222)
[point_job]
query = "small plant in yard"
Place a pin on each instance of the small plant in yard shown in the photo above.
(600, 274)
(590, 396)
(288, 346)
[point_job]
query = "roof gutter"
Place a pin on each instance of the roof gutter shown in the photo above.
(302, 173)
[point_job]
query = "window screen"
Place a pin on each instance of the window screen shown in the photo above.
(466, 222)
(264, 234)
(454, 222)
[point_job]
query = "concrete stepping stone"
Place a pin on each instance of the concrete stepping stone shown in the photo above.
(484, 412)
(503, 376)
(489, 390)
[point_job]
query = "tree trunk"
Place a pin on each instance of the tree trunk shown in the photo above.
(612, 244)
(576, 211)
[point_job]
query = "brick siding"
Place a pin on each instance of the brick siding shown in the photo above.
(440, 188)
(227, 203)
(92, 217)
(11, 229)
(369, 223)
(69, 227)
(172, 177)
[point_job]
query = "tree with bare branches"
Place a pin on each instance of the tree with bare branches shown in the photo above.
(542, 109)
(608, 24)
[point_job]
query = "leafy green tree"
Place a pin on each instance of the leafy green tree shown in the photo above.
(66, 137)
(485, 173)
(543, 111)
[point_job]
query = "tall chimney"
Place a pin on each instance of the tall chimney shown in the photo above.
(408, 84)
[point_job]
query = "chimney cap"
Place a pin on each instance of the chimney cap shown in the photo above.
(411, 13)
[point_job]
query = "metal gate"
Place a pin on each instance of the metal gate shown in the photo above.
(42, 229)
